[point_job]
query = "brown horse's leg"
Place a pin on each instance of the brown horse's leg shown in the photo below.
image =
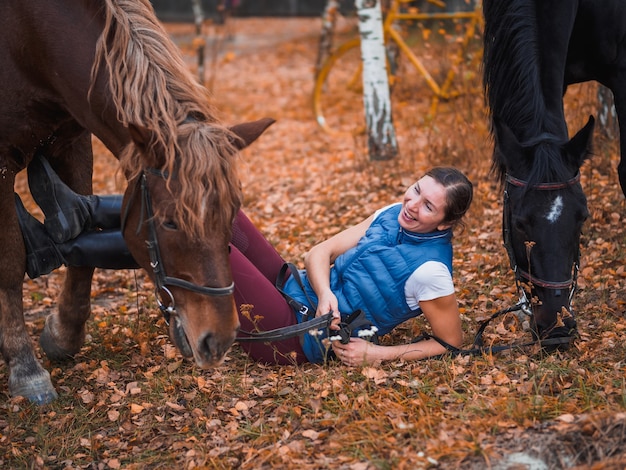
(64, 332)
(27, 377)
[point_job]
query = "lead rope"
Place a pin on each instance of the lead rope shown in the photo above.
(477, 346)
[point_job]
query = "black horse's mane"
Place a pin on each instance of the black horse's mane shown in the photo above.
(513, 91)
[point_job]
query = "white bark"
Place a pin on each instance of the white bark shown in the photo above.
(381, 132)
(607, 116)
(198, 15)
(326, 37)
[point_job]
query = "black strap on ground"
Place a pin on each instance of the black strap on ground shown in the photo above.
(477, 346)
(475, 351)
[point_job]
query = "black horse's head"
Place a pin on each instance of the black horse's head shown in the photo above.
(544, 212)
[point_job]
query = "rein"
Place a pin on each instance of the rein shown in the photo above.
(478, 348)
(286, 332)
(351, 322)
(346, 328)
(161, 279)
(356, 319)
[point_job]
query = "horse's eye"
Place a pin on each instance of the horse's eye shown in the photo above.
(170, 225)
(520, 225)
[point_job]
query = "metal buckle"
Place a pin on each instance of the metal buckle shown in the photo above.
(304, 311)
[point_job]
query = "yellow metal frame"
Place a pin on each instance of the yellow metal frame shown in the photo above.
(441, 91)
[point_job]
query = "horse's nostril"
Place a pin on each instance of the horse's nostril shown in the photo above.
(214, 347)
(210, 347)
(206, 343)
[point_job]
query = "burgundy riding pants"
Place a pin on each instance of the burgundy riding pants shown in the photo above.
(255, 265)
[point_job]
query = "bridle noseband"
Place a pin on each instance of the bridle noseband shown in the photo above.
(161, 279)
(520, 274)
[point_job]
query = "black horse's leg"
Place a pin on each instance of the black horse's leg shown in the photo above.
(27, 377)
(555, 22)
(619, 96)
(64, 332)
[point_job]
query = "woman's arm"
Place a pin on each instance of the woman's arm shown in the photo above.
(443, 315)
(319, 259)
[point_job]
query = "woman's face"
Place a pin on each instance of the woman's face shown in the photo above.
(424, 207)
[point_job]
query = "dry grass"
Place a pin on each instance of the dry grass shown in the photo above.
(129, 401)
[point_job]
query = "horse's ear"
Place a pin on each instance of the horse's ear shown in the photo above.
(579, 146)
(248, 132)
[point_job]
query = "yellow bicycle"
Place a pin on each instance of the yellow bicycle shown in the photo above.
(449, 62)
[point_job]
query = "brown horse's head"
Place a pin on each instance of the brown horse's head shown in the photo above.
(178, 225)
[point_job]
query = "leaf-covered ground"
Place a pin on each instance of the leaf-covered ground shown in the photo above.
(128, 400)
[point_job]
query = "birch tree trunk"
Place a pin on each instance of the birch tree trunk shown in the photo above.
(198, 15)
(382, 141)
(326, 37)
(607, 117)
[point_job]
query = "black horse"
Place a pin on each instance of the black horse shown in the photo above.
(533, 50)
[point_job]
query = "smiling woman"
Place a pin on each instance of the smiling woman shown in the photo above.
(424, 202)
(393, 266)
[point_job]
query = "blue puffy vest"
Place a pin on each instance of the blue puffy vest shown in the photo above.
(371, 276)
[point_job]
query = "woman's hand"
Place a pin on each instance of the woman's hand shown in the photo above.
(357, 352)
(328, 303)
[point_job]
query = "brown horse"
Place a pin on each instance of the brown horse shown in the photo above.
(73, 68)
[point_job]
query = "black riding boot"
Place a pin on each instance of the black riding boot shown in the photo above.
(67, 213)
(99, 249)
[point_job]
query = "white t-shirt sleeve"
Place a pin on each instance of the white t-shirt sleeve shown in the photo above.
(430, 281)
(380, 211)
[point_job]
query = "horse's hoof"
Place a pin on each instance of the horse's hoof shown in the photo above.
(38, 391)
(558, 343)
(560, 338)
(50, 347)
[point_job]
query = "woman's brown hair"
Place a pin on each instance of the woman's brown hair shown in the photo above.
(459, 192)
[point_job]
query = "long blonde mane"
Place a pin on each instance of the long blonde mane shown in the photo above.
(152, 88)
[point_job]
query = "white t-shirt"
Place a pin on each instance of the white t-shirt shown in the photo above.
(430, 281)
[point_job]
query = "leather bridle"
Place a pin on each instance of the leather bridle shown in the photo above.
(161, 279)
(520, 274)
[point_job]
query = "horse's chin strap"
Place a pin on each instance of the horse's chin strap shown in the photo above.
(520, 274)
(161, 279)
